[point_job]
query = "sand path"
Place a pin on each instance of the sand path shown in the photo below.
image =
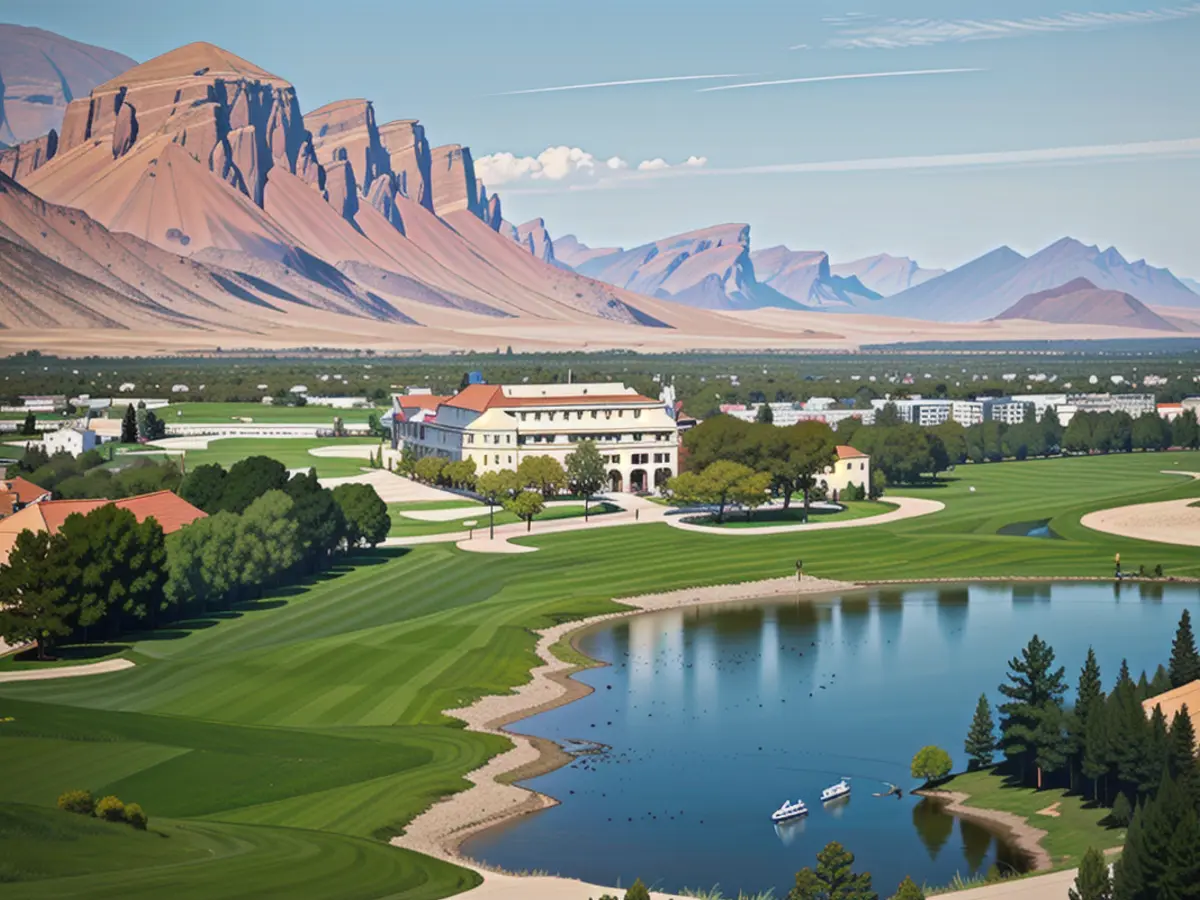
(96, 668)
(905, 508)
(390, 487)
(1168, 521)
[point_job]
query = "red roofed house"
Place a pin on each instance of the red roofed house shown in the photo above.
(851, 467)
(170, 510)
(499, 425)
(17, 493)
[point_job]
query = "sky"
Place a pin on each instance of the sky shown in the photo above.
(928, 128)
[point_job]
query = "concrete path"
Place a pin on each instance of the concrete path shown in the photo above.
(1054, 886)
(906, 508)
(96, 668)
(1168, 521)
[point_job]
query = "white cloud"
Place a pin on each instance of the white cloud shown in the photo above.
(573, 165)
(866, 33)
(626, 83)
(854, 76)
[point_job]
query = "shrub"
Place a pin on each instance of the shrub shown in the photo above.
(110, 809)
(136, 817)
(1158, 571)
(1122, 811)
(80, 802)
(931, 763)
(637, 892)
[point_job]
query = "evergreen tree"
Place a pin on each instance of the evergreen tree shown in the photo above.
(1034, 684)
(833, 878)
(765, 415)
(1122, 812)
(1161, 682)
(1087, 693)
(1161, 849)
(1185, 661)
(129, 431)
(1181, 755)
(1050, 740)
(1094, 760)
(1155, 753)
(980, 744)
(1093, 881)
(908, 890)
(637, 891)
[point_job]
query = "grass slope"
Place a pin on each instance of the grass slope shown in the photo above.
(261, 414)
(306, 727)
(292, 452)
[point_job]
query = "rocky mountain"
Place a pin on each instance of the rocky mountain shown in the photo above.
(40, 73)
(706, 269)
(570, 251)
(1192, 285)
(886, 275)
(206, 156)
(1079, 302)
(806, 277)
(985, 287)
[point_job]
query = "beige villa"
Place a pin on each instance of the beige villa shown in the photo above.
(851, 467)
(499, 425)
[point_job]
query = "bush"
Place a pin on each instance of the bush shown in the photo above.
(80, 802)
(136, 816)
(637, 892)
(110, 809)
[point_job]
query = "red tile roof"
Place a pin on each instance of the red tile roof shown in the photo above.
(846, 452)
(580, 400)
(475, 397)
(25, 489)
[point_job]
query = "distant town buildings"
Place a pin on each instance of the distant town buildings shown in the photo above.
(75, 441)
(499, 425)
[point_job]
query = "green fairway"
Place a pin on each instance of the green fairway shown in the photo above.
(292, 452)
(858, 509)
(406, 526)
(258, 413)
(307, 727)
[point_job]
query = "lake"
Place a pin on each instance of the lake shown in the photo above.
(707, 719)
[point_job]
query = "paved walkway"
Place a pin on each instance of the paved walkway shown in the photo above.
(393, 488)
(1054, 886)
(1168, 521)
(96, 668)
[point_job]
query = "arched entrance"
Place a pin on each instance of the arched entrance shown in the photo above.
(615, 482)
(661, 477)
(637, 480)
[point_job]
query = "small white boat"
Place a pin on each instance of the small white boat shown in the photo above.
(789, 811)
(837, 791)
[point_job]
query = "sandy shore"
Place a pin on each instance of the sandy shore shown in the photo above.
(492, 799)
(1025, 836)
(1168, 522)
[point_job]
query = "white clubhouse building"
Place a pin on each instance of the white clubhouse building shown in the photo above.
(499, 425)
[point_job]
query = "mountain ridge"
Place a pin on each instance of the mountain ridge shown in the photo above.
(1079, 302)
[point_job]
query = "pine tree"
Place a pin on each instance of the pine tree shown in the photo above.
(129, 432)
(1050, 741)
(1182, 756)
(908, 890)
(1093, 881)
(1185, 661)
(1161, 682)
(1094, 760)
(1034, 684)
(980, 744)
(1090, 690)
(833, 879)
(1155, 753)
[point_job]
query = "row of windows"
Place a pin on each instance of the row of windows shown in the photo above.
(638, 459)
(566, 414)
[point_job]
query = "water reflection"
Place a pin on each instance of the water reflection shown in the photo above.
(932, 825)
(952, 609)
(1031, 593)
(789, 832)
(837, 808)
(976, 841)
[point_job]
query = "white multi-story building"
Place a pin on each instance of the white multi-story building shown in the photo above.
(499, 425)
(1007, 410)
(967, 412)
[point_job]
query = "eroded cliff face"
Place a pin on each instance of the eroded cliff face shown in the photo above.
(409, 159)
(25, 159)
(453, 180)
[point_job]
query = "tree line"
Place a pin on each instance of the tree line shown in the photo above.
(87, 477)
(731, 461)
(104, 573)
(522, 491)
(1143, 768)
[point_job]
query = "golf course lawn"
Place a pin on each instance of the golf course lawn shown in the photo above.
(1069, 835)
(855, 509)
(292, 452)
(405, 526)
(259, 413)
(302, 731)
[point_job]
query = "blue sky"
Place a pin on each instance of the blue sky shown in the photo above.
(1031, 121)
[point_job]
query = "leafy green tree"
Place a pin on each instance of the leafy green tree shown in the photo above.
(129, 432)
(1151, 432)
(980, 745)
(1184, 667)
(901, 452)
(429, 469)
(1185, 431)
(931, 764)
(1093, 881)
(585, 472)
(719, 481)
(751, 492)
(908, 890)
(833, 879)
(637, 891)
(249, 479)
(320, 524)
(716, 439)
(495, 488)
(110, 809)
(797, 456)
(765, 415)
(204, 486)
(1033, 684)
(35, 602)
(267, 543)
(460, 473)
(544, 474)
(525, 505)
(1079, 434)
(367, 519)
(888, 416)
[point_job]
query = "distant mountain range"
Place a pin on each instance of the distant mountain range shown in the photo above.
(40, 73)
(987, 286)
(1080, 302)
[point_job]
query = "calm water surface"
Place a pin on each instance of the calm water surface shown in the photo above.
(711, 717)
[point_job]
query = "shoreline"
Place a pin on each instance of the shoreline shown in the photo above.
(1027, 838)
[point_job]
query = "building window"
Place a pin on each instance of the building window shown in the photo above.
(637, 436)
(594, 414)
(508, 439)
(509, 458)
